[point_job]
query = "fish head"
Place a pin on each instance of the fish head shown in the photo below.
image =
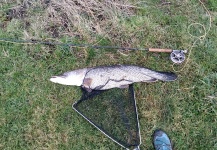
(75, 77)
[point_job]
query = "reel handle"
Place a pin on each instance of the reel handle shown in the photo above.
(160, 50)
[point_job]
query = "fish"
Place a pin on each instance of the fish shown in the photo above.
(108, 77)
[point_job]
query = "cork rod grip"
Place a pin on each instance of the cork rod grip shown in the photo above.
(160, 50)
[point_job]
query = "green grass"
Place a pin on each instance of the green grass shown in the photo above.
(37, 114)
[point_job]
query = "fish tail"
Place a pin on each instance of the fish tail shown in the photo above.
(166, 76)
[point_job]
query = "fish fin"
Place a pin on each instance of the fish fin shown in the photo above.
(86, 89)
(99, 87)
(124, 86)
(87, 82)
(168, 76)
(151, 80)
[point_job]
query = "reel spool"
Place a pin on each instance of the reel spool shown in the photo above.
(178, 56)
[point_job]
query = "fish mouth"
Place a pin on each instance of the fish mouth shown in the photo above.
(61, 76)
(52, 79)
(55, 79)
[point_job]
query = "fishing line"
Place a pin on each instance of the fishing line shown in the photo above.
(197, 38)
(15, 41)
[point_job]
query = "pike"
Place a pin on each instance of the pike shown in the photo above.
(107, 77)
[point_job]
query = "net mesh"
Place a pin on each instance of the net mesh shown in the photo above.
(114, 113)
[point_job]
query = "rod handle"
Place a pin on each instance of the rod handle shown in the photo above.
(160, 50)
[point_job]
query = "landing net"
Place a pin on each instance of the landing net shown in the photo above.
(114, 113)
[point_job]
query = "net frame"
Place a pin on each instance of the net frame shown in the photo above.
(98, 92)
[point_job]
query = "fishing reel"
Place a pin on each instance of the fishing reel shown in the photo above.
(177, 56)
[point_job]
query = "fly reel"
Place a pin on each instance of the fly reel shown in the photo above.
(178, 56)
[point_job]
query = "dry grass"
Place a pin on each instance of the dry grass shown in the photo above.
(76, 19)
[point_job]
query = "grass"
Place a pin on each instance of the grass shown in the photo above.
(37, 114)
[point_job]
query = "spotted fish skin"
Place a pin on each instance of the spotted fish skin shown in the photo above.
(117, 76)
(107, 77)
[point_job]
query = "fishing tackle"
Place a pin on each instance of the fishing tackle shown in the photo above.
(176, 56)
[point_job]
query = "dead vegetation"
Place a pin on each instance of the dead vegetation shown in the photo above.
(80, 19)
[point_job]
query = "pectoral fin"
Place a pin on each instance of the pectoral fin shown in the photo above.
(87, 82)
(150, 80)
(123, 86)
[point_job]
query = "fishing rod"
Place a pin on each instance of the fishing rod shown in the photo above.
(176, 56)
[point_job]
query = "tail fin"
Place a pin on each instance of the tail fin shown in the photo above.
(166, 76)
